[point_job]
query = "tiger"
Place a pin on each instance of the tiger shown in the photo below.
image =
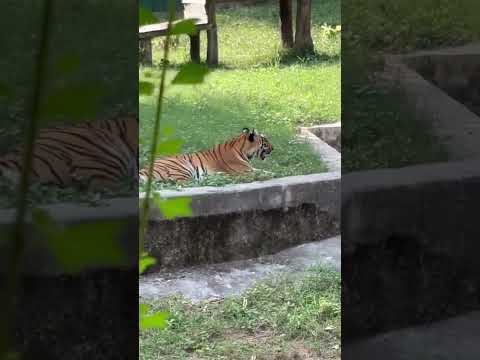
(231, 157)
(96, 154)
(125, 127)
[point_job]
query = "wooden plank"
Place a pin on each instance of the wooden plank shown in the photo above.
(149, 31)
(201, 2)
(203, 13)
(195, 9)
(149, 34)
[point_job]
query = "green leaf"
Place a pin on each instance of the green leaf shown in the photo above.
(155, 321)
(146, 17)
(142, 309)
(73, 102)
(168, 131)
(5, 91)
(9, 355)
(81, 246)
(145, 88)
(169, 147)
(145, 262)
(172, 208)
(191, 73)
(68, 63)
(184, 27)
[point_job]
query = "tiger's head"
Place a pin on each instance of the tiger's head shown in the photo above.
(256, 145)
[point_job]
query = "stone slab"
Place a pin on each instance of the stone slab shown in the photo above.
(409, 231)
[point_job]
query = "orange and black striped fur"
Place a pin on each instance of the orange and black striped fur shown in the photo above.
(231, 157)
(98, 154)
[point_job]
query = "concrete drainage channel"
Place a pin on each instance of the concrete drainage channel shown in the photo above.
(404, 229)
(243, 231)
(444, 84)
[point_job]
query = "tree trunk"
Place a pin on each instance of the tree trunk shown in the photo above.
(303, 36)
(195, 47)
(286, 23)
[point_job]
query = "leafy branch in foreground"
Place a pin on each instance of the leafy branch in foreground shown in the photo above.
(170, 208)
(18, 236)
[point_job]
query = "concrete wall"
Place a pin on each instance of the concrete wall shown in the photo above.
(38, 259)
(87, 315)
(247, 220)
(410, 245)
(330, 133)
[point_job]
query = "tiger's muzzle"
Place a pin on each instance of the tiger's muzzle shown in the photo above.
(265, 152)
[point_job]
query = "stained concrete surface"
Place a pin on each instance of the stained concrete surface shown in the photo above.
(453, 339)
(220, 280)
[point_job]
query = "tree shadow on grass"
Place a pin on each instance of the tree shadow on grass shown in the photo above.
(283, 57)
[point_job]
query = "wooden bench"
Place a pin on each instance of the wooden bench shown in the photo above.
(203, 14)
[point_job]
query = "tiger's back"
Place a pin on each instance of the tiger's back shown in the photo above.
(89, 153)
(231, 157)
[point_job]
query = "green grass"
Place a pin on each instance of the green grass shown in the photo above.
(280, 318)
(43, 194)
(383, 130)
(408, 25)
(256, 86)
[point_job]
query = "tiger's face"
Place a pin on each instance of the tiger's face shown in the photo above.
(257, 145)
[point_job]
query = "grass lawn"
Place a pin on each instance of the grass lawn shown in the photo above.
(282, 318)
(256, 86)
(402, 26)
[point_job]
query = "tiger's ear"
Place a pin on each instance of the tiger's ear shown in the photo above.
(246, 130)
(251, 137)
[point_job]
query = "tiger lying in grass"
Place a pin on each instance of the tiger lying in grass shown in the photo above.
(96, 154)
(231, 157)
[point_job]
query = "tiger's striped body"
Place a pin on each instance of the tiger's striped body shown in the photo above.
(98, 154)
(231, 157)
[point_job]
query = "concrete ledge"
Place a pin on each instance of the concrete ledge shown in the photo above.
(38, 259)
(282, 193)
(67, 213)
(330, 133)
(409, 231)
(329, 154)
